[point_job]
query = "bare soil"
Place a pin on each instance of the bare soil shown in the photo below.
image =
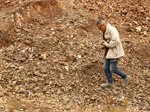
(50, 60)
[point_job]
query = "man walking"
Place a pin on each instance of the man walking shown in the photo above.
(113, 51)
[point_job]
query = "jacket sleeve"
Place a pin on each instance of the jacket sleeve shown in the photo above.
(113, 41)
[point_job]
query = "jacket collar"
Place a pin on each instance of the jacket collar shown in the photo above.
(108, 27)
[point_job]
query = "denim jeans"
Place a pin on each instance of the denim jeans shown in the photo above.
(110, 65)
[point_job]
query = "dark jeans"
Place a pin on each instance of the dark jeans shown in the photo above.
(110, 65)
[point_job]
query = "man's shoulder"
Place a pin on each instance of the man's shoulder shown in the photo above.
(114, 29)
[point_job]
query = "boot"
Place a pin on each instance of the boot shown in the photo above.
(126, 81)
(107, 85)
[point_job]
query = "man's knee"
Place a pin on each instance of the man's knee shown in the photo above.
(105, 67)
(113, 69)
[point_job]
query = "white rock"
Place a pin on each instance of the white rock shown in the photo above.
(79, 56)
(138, 29)
(53, 33)
(71, 36)
(67, 68)
(145, 33)
(52, 29)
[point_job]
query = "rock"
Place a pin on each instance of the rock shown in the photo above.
(43, 70)
(1, 88)
(14, 82)
(135, 22)
(27, 42)
(138, 29)
(129, 29)
(67, 68)
(15, 110)
(63, 63)
(79, 56)
(145, 33)
(43, 56)
(19, 58)
(42, 22)
(124, 12)
(22, 90)
(62, 76)
(147, 75)
(50, 82)
(7, 1)
(28, 30)
(70, 57)
(23, 106)
(0, 76)
(147, 18)
(140, 10)
(16, 88)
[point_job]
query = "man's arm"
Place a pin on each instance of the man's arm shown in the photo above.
(114, 41)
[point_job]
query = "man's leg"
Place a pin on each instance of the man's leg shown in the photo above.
(113, 68)
(108, 74)
(107, 70)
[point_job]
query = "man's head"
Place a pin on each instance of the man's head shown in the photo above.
(101, 24)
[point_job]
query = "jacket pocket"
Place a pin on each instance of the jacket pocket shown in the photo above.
(115, 51)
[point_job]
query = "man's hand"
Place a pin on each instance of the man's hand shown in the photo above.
(103, 43)
(102, 47)
(99, 46)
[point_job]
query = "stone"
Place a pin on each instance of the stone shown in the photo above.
(129, 29)
(140, 10)
(79, 56)
(62, 76)
(70, 57)
(14, 82)
(67, 68)
(22, 90)
(124, 12)
(23, 106)
(43, 70)
(43, 56)
(0, 76)
(138, 29)
(145, 33)
(7, 1)
(27, 42)
(19, 58)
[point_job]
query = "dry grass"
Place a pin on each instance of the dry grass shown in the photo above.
(24, 105)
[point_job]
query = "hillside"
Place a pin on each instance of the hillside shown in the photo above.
(49, 60)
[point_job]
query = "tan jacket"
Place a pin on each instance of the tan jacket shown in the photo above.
(114, 44)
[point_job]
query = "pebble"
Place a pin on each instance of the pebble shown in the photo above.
(138, 29)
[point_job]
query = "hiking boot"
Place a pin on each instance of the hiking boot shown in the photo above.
(126, 81)
(107, 85)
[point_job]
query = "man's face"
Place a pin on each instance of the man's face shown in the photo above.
(102, 27)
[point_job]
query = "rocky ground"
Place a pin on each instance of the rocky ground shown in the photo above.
(50, 60)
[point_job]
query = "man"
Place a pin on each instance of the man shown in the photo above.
(113, 51)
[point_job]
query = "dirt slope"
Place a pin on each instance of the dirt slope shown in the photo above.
(51, 62)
